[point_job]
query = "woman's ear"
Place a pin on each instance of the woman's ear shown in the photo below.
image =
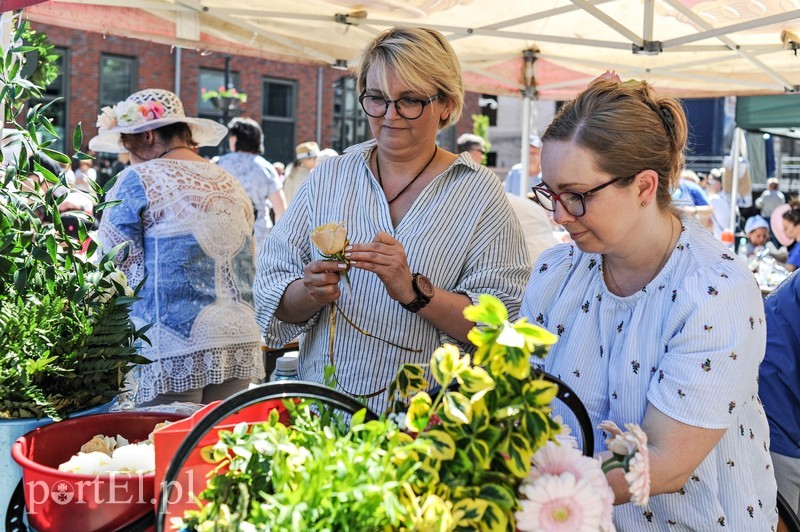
(647, 181)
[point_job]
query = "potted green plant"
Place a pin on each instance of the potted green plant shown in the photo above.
(458, 465)
(66, 338)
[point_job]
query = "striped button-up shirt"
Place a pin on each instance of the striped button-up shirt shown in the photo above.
(460, 232)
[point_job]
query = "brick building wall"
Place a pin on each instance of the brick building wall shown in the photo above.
(156, 68)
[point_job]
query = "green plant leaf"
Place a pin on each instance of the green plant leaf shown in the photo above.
(538, 392)
(479, 452)
(469, 512)
(442, 444)
(444, 364)
(457, 408)
(77, 138)
(498, 494)
(489, 310)
(419, 411)
(494, 518)
(57, 156)
(513, 361)
(519, 455)
(475, 381)
(410, 379)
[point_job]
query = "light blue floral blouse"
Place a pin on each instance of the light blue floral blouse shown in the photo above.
(260, 180)
(690, 343)
(189, 225)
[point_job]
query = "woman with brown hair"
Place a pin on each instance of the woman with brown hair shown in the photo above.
(659, 325)
(188, 226)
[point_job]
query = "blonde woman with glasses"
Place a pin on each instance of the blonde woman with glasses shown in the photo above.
(429, 230)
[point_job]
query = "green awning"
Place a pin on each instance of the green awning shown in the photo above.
(763, 112)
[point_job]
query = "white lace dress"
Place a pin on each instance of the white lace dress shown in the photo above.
(189, 225)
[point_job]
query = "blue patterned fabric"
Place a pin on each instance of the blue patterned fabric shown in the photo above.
(189, 229)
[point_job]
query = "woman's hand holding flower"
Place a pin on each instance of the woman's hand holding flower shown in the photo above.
(321, 280)
(386, 258)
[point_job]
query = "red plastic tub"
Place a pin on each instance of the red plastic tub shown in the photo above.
(57, 500)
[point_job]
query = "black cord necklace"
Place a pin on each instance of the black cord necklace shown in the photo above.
(171, 150)
(380, 182)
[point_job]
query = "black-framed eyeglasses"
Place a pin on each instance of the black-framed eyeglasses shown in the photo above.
(573, 202)
(408, 108)
(479, 149)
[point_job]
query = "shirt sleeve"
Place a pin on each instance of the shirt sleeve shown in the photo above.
(497, 262)
(280, 262)
(123, 223)
(715, 339)
(546, 282)
(794, 256)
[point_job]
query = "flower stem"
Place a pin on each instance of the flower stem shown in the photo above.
(365, 333)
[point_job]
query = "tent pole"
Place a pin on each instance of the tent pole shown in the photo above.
(525, 150)
(320, 89)
(527, 98)
(734, 199)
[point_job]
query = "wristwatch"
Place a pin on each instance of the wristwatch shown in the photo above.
(423, 287)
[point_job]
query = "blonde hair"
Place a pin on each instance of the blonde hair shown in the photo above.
(628, 129)
(420, 57)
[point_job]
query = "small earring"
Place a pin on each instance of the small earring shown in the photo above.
(643, 204)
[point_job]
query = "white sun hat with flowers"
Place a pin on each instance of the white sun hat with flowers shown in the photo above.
(146, 110)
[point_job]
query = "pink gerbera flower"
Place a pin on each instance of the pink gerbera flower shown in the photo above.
(555, 459)
(559, 503)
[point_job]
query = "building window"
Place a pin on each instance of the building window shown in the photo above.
(350, 124)
(279, 119)
(57, 112)
(213, 80)
(118, 78)
(488, 104)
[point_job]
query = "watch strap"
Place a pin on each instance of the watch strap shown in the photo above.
(420, 301)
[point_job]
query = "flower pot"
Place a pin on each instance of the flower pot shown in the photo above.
(10, 430)
(58, 500)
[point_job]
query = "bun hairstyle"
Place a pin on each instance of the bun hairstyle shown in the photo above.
(628, 128)
(793, 213)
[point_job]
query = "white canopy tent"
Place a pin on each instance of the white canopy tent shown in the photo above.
(543, 49)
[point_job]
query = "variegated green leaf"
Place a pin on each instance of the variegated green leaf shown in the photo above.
(499, 494)
(519, 455)
(478, 451)
(539, 392)
(457, 407)
(442, 444)
(419, 411)
(536, 425)
(476, 381)
(480, 416)
(513, 361)
(538, 335)
(495, 519)
(489, 310)
(469, 512)
(444, 363)
(410, 379)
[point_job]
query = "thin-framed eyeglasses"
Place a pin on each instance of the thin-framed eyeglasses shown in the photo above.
(408, 108)
(573, 202)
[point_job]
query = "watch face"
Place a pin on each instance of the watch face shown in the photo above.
(425, 286)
